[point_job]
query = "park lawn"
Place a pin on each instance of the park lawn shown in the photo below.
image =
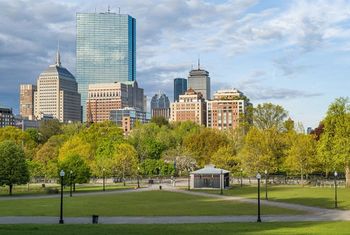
(37, 189)
(270, 228)
(309, 196)
(150, 203)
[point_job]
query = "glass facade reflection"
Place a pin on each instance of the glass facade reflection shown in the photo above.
(180, 86)
(106, 50)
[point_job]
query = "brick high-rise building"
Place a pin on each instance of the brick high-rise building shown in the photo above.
(26, 103)
(226, 109)
(190, 107)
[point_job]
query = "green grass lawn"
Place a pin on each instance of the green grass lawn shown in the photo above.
(310, 196)
(35, 189)
(183, 229)
(150, 203)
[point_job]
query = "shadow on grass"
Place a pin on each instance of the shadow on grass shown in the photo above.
(184, 229)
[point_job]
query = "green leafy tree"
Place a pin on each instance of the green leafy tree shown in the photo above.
(160, 121)
(301, 156)
(183, 162)
(267, 116)
(334, 142)
(13, 167)
(153, 167)
(224, 159)
(125, 161)
(262, 150)
(49, 128)
(76, 169)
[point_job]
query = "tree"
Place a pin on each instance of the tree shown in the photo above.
(77, 165)
(262, 150)
(124, 161)
(267, 116)
(301, 156)
(76, 145)
(334, 142)
(177, 156)
(160, 121)
(224, 159)
(49, 128)
(204, 143)
(153, 167)
(13, 167)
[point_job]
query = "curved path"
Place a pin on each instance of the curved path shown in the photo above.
(313, 213)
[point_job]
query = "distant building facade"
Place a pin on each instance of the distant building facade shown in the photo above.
(57, 94)
(226, 109)
(199, 81)
(6, 117)
(126, 118)
(26, 101)
(105, 97)
(160, 106)
(180, 87)
(190, 107)
(105, 50)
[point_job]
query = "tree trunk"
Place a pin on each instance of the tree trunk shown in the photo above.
(123, 178)
(10, 189)
(73, 187)
(302, 177)
(347, 175)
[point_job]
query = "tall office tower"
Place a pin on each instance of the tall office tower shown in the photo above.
(26, 101)
(190, 107)
(160, 106)
(135, 96)
(57, 94)
(226, 109)
(180, 87)
(199, 81)
(106, 50)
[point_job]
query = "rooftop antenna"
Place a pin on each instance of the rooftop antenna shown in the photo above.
(58, 56)
(199, 63)
(191, 66)
(109, 9)
(119, 10)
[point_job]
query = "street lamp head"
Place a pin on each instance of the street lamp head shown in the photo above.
(335, 174)
(258, 176)
(62, 173)
(265, 172)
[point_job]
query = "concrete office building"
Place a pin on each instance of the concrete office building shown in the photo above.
(104, 97)
(57, 94)
(190, 107)
(126, 118)
(199, 81)
(226, 109)
(6, 116)
(180, 87)
(105, 50)
(26, 101)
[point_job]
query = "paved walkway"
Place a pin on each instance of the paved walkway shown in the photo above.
(313, 213)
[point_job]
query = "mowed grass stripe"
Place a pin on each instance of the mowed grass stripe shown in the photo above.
(150, 203)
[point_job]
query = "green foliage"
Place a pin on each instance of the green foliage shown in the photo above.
(34, 135)
(153, 167)
(267, 116)
(124, 161)
(13, 167)
(203, 144)
(224, 159)
(49, 128)
(160, 121)
(75, 169)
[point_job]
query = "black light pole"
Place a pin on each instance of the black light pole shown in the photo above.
(258, 177)
(241, 177)
(103, 181)
(221, 181)
(266, 185)
(188, 180)
(335, 190)
(138, 177)
(71, 183)
(61, 211)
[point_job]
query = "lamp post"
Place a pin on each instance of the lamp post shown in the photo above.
(335, 190)
(138, 177)
(61, 211)
(71, 183)
(258, 177)
(189, 180)
(266, 185)
(103, 180)
(221, 181)
(241, 177)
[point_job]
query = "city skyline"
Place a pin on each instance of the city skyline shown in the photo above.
(293, 53)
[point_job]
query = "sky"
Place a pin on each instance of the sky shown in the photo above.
(294, 53)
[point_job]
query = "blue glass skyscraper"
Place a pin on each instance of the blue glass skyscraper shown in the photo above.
(106, 50)
(180, 86)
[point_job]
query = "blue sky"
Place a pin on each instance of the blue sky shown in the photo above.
(292, 53)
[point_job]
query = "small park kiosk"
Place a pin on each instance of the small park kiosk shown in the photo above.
(210, 177)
